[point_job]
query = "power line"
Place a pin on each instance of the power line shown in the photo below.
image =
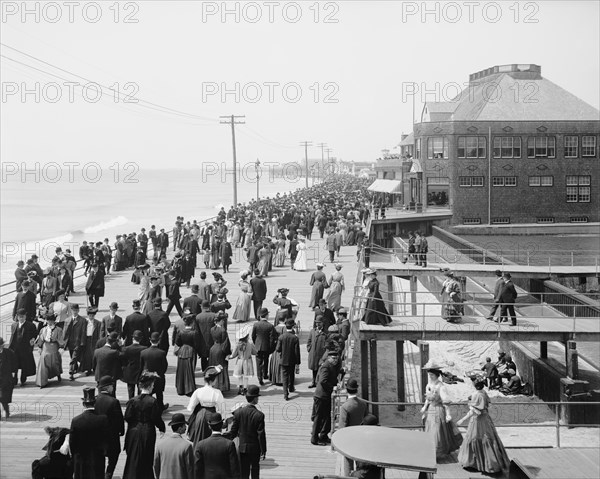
(233, 120)
(306, 144)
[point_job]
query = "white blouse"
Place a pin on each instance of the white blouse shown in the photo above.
(208, 397)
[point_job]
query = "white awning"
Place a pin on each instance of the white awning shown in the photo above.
(386, 186)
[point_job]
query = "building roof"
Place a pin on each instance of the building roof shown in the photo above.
(512, 96)
(409, 140)
(386, 186)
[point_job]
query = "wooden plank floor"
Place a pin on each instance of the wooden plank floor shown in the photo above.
(290, 454)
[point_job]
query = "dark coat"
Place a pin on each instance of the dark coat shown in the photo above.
(25, 300)
(205, 321)
(288, 345)
(328, 318)
(160, 323)
(220, 306)
(173, 291)
(155, 360)
(352, 412)
(259, 289)
(216, 458)
(315, 347)
(88, 441)
(508, 293)
(20, 276)
(106, 320)
(264, 336)
(95, 283)
(75, 332)
(249, 425)
(326, 380)
(136, 321)
(19, 344)
(106, 362)
(111, 408)
(132, 363)
(8, 364)
(194, 303)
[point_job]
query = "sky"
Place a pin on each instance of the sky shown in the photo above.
(338, 73)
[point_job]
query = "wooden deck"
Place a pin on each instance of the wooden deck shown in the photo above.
(290, 454)
(476, 269)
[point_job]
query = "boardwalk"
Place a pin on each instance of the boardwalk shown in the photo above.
(290, 454)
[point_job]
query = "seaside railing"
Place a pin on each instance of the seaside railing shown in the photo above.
(80, 269)
(496, 412)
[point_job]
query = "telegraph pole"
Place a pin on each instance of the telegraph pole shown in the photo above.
(306, 144)
(322, 146)
(233, 120)
(257, 166)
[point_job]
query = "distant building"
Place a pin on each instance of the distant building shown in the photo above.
(513, 147)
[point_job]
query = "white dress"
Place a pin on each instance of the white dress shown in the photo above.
(300, 263)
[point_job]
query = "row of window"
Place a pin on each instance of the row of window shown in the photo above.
(539, 220)
(509, 147)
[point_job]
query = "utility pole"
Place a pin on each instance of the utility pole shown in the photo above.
(322, 146)
(306, 144)
(257, 166)
(233, 120)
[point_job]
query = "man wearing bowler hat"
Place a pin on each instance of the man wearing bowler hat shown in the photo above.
(216, 456)
(106, 361)
(174, 454)
(353, 410)
(136, 321)
(249, 425)
(132, 363)
(160, 323)
(110, 406)
(508, 296)
(288, 345)
(263, 337)
(89, 439)
(112, 318)
(154, 360)
(23, 334)
(327, 379)
(497, 289)
(205, 322)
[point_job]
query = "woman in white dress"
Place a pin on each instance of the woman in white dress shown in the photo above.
(60, 308)
(300, 263)
(243, 304)
(206, 399)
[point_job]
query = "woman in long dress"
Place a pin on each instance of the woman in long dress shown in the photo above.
(318, 281)
(438, 420)
(336, 286)
(280, 252)
(187, 339)
(375, 310)
(204, 400)
(243, 305)
(275, 375)
(219, 351)
(481, 449)
(300, 263)
(50, 340)
(143, 417)
(215, 252)
(264, 256)
(351, 241)
(226, 254)
(451, 298)
(60, 308)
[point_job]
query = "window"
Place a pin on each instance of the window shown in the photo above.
(588, 146)
(500, 221)
(437, 147)
(418, 149)
(571, 146)
(579, 219)
(507, 147)
(545, 220)
(470, 181)
(541, 147)
(471, 221)
(472, 147)
(439, 180)
(504, 181)
(578, 189)
(541, 181)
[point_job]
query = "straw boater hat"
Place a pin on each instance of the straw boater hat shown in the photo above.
(368, 271)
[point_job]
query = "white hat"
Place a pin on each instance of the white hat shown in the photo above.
(433, 364)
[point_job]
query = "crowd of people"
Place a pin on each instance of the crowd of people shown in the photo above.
(133, 350)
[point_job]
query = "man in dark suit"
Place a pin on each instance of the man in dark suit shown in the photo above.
(263, 337)
(497, 290)
(193, 302)
(252, 257)
(163, 242)
(249, 425)
(106, 361)
(23, 334)
(173, 294)
(154, 359)
(160, 323)
(259, 291)
(289, 347)
(216, 456)
(143, 242)
(221, 304)
(132, 363)
(94, 287)
(353, 410)
(112, 317)
(20, 275)
(508, 296)
(110, 406)
(75, 336)
(89, 439)
(25, 300)
(327, 379)
(205, 321)
(328, 317)
(136, 321)
(293, 251)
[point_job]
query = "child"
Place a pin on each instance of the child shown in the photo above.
(244, 365)
(206, 258)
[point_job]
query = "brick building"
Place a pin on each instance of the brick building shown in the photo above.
(513, 147)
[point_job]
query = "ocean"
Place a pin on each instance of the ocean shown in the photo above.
(40, 211)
